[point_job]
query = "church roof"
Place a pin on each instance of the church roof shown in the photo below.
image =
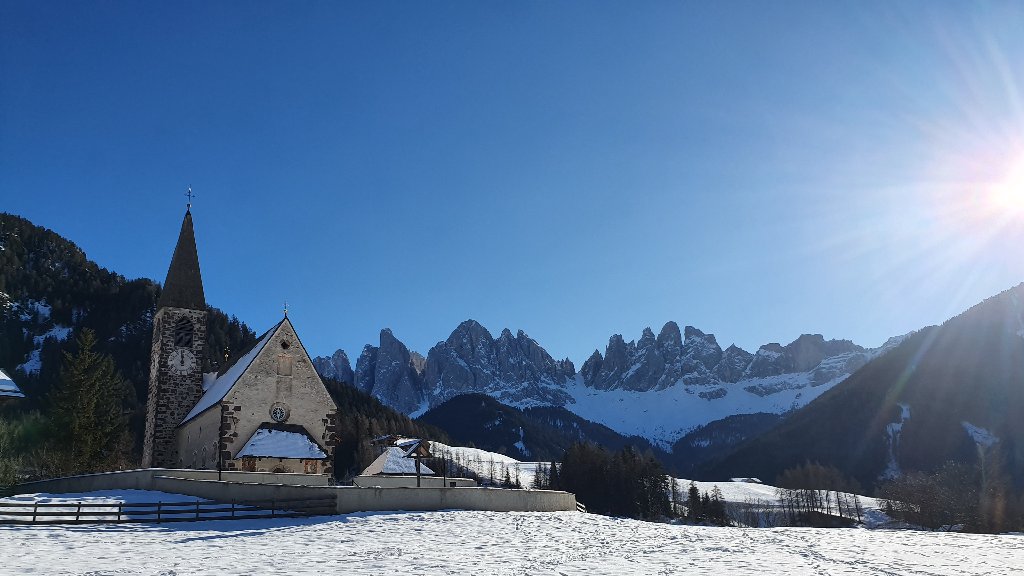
(183, 287)
(226, 380)
(8, 389)
(394, 461)
(281, 441)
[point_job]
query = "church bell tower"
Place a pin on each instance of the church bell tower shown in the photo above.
(179, 340)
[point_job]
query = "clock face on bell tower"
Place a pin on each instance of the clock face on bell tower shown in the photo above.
(181, 361)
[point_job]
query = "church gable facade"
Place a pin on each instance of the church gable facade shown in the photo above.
(267, 412)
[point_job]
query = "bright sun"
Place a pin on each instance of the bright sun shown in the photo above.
(1008, 195)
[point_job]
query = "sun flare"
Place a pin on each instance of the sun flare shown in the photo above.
(1007, 196)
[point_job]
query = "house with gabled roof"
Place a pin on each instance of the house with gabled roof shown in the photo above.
(8, 389)
(265, 411)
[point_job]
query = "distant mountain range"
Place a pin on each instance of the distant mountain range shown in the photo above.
(658, 387)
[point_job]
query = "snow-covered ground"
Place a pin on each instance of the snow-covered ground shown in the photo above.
(492, 543)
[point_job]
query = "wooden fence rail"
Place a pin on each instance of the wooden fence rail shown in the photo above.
(159, 512)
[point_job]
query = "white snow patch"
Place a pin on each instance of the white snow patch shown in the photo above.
(34, 362)
(892, 435)
(981, 436)
(271, 443)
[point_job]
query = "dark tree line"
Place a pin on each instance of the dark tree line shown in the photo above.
(622, 483)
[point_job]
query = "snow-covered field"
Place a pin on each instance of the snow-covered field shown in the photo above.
(492, 543)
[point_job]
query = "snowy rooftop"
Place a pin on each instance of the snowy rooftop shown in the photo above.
(270, 443)
(217, 390)
(393, 461)
(8, 388)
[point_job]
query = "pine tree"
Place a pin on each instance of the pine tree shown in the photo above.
(693, 502)
(554, 481)
(89, 422)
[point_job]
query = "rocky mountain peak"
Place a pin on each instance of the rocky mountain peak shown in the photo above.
(669, 335)
(512, 369)
(336, 366)
(389, 373)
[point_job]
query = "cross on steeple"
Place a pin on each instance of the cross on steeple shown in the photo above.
(190, 197)
(285, 308)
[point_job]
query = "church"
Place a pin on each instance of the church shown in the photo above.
(266, 411)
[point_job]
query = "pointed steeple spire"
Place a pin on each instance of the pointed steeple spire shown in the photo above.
(183, 287)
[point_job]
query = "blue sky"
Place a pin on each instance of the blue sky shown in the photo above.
(571, 169)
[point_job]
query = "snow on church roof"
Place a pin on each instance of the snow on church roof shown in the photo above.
(220, 387)
(393, 461)
(277, 443)
(8, 388)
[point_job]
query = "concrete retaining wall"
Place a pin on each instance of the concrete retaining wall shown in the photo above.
(347, 498)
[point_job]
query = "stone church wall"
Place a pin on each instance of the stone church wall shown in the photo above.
(197, 441)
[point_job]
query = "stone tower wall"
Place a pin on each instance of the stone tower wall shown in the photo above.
(171, 395)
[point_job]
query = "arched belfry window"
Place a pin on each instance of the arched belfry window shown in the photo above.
(183, 332)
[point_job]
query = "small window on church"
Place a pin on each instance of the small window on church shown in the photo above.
(284, 365)
(183, 330)
(285, 344)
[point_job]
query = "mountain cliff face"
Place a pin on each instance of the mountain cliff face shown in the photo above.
(658, 387)
(392, 374)
(513, 369)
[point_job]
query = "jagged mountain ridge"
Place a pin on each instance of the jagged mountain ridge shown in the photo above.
(677, 375)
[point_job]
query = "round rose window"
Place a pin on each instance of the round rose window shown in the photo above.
(278, 413)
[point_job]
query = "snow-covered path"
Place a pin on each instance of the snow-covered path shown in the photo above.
(492, 543)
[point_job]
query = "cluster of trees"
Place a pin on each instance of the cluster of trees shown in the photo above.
(706, 508)
(622, 483)
(86, 423)
(975, 498)
(815, 495)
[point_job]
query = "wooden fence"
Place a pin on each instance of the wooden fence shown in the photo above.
(160, 512)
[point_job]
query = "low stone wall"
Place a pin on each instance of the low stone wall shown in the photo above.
(355, 499)
(346, 498)
(124, 480)
(290, 479)
(143, 480)
(410, 482)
